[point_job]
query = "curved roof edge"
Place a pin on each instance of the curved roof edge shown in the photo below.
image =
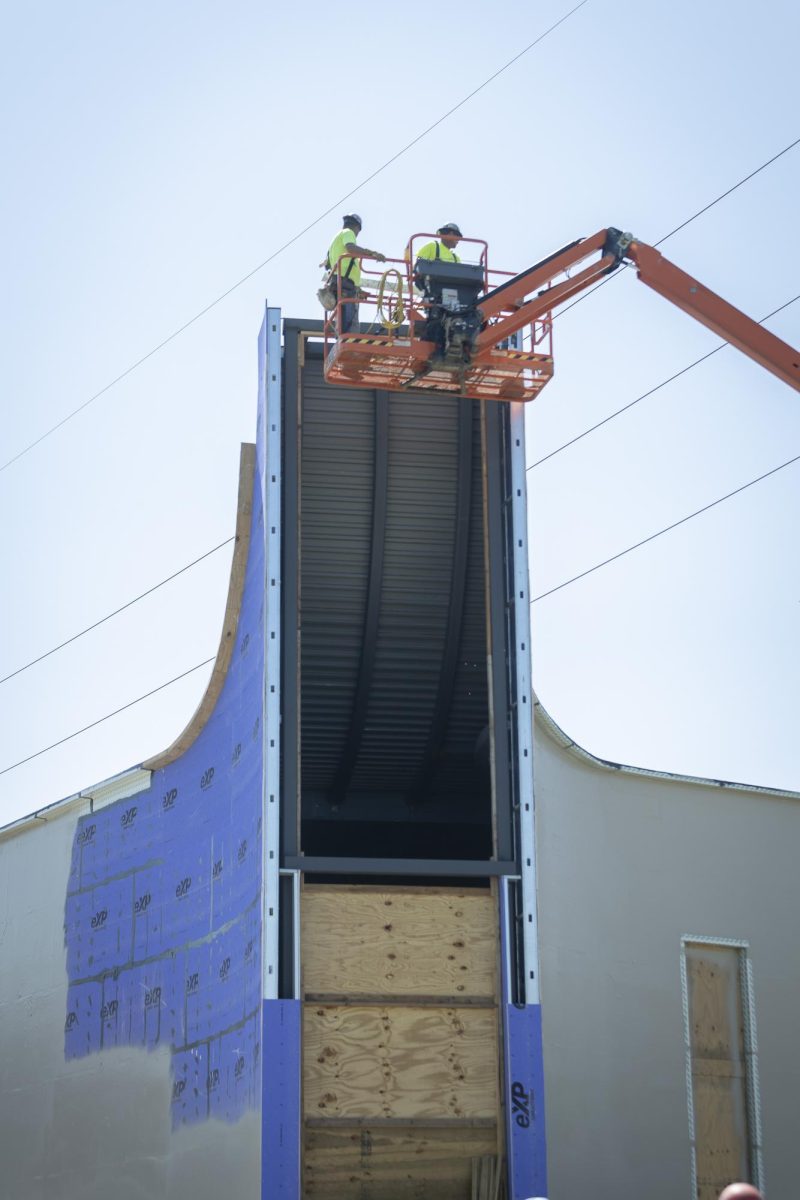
(244, 513)
(136, 779)
(556, 733)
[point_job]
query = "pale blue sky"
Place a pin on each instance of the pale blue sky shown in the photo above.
(155, 153)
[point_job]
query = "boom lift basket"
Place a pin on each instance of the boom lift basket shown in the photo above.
(422, 336)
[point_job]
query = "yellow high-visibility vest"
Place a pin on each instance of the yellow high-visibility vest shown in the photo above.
(438, 251)
(351, 267)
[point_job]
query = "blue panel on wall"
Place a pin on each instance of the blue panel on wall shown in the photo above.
(162, 917)
(524, 1082)
(280, 1152)
(525, 1101)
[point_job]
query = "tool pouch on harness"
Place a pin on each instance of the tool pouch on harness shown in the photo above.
(327, 294)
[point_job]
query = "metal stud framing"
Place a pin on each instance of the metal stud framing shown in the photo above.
(272, 435)
(523, 702)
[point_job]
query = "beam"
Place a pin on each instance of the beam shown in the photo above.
(716, 314)
(437, 733)
(372, 608)
(464, 867)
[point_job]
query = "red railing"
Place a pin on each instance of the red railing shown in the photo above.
(388, 348)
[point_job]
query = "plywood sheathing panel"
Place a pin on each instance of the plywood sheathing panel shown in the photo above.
(420, 1062)
(422, 942)
(374, 1163)
(718, 1067)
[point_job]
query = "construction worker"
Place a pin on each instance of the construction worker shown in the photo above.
(441, 250)
(449, 236)
(345, 249)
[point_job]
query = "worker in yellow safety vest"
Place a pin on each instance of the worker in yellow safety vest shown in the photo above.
(441, 250)
(344, 249)
(449, 236)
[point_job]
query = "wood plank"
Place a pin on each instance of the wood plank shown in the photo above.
(405, 1001)
(718, 1067)
(379, 1163)
(399, 1062)
(461, 1123)
(487, 1176)
(368, 941)
(719, 1134)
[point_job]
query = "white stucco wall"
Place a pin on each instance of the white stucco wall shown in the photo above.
(96, 1127)
(628, 864)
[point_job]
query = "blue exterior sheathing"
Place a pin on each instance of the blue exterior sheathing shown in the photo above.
(162, 918)
(280, 1149)
(524, 1083)
(527, 1149)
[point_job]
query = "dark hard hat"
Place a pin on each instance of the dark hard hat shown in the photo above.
(451, 227)
(352, 218)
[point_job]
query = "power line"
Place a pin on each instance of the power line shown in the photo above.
(579, 436)
(224, 295)
(116, 611)
(666, 529)
(724, 195)
(107, 717)
(688, 221)
(613, 558)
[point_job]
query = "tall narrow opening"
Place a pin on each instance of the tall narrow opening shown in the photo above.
(394, 726)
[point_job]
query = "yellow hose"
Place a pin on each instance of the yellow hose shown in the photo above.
(394, 317)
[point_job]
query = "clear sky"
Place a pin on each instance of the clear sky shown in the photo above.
(155, 153)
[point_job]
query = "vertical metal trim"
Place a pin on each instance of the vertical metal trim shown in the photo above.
(273, 436)
(297, 932)
(505, 936)
(751, 1074)
(687, 1035)
(290, 549)
(523, 703)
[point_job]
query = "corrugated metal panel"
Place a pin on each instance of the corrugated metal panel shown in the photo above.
(337, 462)
(423, 465)
(335, 526)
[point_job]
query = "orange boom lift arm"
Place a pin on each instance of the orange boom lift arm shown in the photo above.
(463, 318)
(531, 295)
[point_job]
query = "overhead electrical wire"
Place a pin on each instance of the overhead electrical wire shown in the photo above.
(618, 412)
(567, 582)
(116, 612)
(543, 459)
(666, 529)
(683, 224)
(270, 258)
(107, 717)
(176, 333)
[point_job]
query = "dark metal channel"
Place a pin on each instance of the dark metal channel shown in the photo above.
(290, 537)
(455, 616)
(288, 938)
(497, 484)
(342, 865)
(380, 490)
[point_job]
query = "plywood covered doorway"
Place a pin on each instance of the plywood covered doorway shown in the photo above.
(401, 1079)
(723, 1069)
